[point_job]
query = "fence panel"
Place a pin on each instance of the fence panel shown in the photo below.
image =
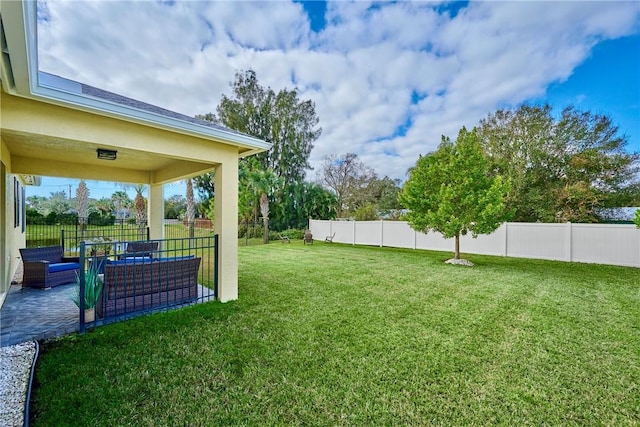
(343, 230)
(398, 234)
(147, 276)
(321, 229)
(368, 232)
(487, 244)
(543, 241)
(605, 243)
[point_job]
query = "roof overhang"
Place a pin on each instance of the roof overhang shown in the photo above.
(20, 77)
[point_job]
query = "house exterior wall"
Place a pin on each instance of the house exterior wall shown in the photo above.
(11, 237)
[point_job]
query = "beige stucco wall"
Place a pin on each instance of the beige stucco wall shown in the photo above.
(226, 225)
(11, 238)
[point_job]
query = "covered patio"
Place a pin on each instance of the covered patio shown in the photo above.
(52, 126)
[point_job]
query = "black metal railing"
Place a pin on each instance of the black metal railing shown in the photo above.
(71, 230)
(137, 277)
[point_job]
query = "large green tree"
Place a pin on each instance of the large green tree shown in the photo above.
(282, 119)
(451, 192)
(561, 169)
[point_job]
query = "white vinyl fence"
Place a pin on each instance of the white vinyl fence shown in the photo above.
(615, 244)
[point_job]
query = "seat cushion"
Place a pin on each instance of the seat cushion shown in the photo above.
(63, 266)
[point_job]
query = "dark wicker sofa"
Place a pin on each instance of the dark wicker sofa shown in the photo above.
(46, 267)
(132, 285)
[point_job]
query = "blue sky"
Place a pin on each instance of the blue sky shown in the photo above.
(388, 78)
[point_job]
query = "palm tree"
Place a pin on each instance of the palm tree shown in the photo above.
(82, 205)
(140, 209)
(259, 184)
(190, 215)
(121, 201)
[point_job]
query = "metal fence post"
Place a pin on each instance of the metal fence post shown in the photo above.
(216, 257)
(81, 290)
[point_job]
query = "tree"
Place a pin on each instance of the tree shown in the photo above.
(175, 206)
(636, 218)
(121, 202)
(350, 180)
(282, 119)
(450, 191)
(190, 213)
(82, 204)
(256, 187)
(561, 169)
(140, 207)
(104, 206)
(57, 204)
(38, 203)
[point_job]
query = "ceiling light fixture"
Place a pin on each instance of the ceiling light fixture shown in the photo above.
(106, 154)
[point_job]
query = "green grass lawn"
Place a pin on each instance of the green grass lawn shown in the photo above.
(330, 334)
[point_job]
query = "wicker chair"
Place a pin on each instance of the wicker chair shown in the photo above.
(139, 249)
(46, 267)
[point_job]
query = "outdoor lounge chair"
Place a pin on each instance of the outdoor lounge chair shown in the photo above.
(46, 267)
(329, 239)
(284, 239)
(308, 237)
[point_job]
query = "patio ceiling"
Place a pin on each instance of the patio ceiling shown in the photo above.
(34, 154)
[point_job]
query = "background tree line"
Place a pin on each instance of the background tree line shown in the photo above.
(564, 168)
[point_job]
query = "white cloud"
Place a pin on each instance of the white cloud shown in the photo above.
(362, 70)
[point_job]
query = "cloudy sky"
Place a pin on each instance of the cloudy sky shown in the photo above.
(388, 79)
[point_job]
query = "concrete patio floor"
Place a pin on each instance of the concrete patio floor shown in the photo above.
(35, 314)
(30, 314)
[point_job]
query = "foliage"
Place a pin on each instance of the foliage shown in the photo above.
(367, 212)
(140, 205)
(292, 233)
(98, 219)
(341, 335)
(561, 169)
(56, 204)
(37, 203)
(386, 192)
(92, 286)
(175, 206)
(350, 179)
(282, 119)
(122, 203)
(449, 191)
(303, 200)
(104, 207)
(32, 214)
(636, 218)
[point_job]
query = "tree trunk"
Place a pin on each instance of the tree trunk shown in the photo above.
(457, 253)
(265, 223)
